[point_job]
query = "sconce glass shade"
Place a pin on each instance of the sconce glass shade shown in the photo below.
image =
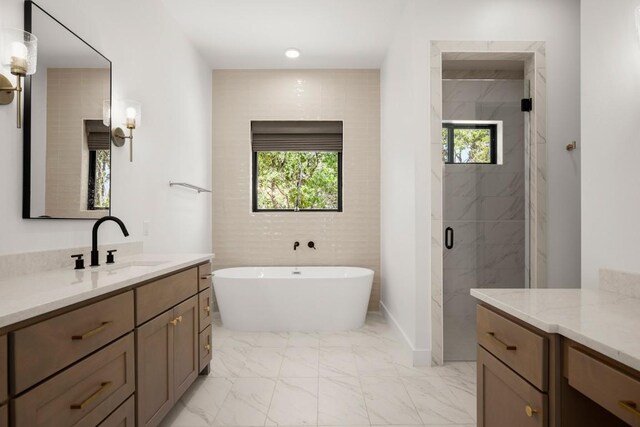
(18, 51)
(106, 112)
(132, 113)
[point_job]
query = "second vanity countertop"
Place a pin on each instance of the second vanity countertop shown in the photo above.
(605, 321)
(28, 296)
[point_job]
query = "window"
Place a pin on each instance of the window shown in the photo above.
(471, 142)
(297, 166)
(99, 146)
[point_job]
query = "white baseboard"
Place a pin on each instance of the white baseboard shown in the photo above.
(418, 357)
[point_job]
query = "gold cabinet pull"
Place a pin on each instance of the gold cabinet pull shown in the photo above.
(174, 322)
(179, 318)
(630, 406)
(207, 276)
(92, 332)
(506, 346)
(208, 309)
(207, 347)
(530, 411)
(94, 396)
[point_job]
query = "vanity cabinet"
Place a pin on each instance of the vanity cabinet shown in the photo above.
(167, 346)
(527, 377)
(119, 360)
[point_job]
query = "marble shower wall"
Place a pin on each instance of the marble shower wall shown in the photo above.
(485, 206)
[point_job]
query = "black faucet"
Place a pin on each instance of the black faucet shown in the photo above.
(95, 256)
(295, 245)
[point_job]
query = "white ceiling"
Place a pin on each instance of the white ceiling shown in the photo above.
(255, 33)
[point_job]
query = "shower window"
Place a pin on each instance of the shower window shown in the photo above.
(297, 166)
(470, 142)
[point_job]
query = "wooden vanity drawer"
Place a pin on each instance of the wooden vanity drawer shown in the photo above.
(4, 416)
(610, 388)
(159, 296)
(205, 308)
(4, 366)
(204, 276)
(521, 349)
(505, 399)
(83, 395)
(45, 348)
(205, 348)
(124, 416)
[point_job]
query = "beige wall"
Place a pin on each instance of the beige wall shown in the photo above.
(244, 238)
(73, 95)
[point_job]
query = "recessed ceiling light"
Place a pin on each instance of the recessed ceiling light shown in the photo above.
(292, 53)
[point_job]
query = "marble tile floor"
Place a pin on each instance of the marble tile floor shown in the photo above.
(354, 378)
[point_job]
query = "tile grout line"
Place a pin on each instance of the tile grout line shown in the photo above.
(277, 378)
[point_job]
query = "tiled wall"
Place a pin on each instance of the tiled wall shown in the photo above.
(485, 205)
(244, 238)
(73, 95)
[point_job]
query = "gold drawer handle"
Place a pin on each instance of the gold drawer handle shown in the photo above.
(175, 321)
(92, 332)
(630, 406)
(506, 346)
(94, 396)
(208, 309)
(207, 276)
(207, 347)
(530, 411)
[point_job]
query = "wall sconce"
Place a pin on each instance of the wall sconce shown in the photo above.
(18, 53)
(133, 115)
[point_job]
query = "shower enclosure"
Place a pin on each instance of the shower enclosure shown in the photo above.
(485, 190)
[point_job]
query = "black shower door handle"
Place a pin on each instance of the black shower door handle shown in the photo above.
(448, 238)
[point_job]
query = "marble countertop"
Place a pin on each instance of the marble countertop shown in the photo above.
(31, 295)
(607, 322)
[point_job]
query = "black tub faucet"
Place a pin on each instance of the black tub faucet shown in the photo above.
(95, 256)
(295, 245)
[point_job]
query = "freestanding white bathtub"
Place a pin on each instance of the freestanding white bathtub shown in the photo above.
(293, 298)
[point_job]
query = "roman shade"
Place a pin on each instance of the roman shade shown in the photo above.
(98, 137)
(301, 135)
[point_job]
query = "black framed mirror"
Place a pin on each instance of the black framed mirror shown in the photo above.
(67, 144)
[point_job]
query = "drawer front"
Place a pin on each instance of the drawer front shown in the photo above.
(47, 347)
(159, 296)
(204, 276)
(205, 308)
(505, 399)
(124, 416)
(4, 416)
(4, 366)
(610, 388)
(523, 350)
(205, 348)
(83, 395)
